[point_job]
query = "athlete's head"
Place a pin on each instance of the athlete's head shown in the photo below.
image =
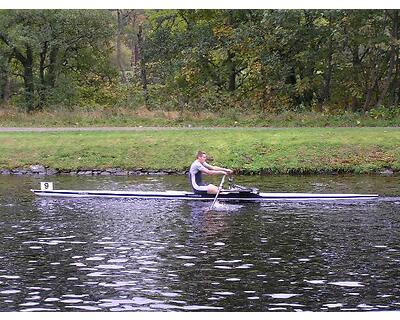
(201, 156)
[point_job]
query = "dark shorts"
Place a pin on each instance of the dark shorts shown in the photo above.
(200, 192)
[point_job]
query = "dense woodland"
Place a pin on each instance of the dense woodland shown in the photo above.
(201, 60)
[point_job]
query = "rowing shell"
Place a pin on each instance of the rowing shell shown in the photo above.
(225, 195)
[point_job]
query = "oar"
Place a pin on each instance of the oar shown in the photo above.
(219, 189)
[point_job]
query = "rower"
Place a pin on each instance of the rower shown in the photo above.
(200, 166)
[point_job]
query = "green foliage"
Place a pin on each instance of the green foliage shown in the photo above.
(276, 60)
(383, 112)
(56, 52)
(227, 61)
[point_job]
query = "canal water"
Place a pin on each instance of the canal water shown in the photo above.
(152, 255)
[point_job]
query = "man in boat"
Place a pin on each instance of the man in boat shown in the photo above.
(200, 166)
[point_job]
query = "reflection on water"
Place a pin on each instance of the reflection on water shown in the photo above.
(135, 255)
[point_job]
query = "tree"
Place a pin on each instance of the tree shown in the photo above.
(266, 60)
(50, 43)
(5, 59)
(394, 43)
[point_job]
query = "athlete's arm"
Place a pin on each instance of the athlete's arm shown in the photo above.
(215, 168)
(212, 172)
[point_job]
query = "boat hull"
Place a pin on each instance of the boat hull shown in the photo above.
(183, 195)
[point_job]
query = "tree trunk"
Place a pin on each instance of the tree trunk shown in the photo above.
(27, 63)
(28, 80)
(357, 70)
(7, 90)
(231, 71)
(370, 89)
(52, 72)
(143, 73)
(5, 83)
(134, 54)
(120, 26)
(396, 90)
(326, 90)
(393, 58)
(43, 86)
(47, 79)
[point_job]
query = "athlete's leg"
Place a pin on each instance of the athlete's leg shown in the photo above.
(211, 189)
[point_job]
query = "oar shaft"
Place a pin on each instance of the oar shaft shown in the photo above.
(219, 189)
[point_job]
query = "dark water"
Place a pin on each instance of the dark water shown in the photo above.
(135, 255)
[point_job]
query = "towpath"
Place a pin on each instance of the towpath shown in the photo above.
(23, 129)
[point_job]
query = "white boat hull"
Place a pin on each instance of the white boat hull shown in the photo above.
(223, 196)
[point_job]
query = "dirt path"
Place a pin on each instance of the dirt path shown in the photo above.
(21, 129)
(61, 129)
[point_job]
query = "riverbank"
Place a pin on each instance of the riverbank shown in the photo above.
(170, 151)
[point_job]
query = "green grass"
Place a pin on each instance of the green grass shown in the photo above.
(249, 151)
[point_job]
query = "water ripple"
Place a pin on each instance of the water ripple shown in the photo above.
(283, 295)
(347, 284)
(123, 255)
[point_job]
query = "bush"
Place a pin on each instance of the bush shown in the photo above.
(383, 112)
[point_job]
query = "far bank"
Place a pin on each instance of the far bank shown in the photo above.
(246, 150)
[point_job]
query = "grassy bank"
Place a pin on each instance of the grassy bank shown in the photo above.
(124, 117)
(289, 150)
